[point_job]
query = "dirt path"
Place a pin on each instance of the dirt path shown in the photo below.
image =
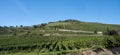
(113, 51)
(57, 34)
(75, 31)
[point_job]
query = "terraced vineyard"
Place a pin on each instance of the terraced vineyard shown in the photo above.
(47, 44)
(57, 38)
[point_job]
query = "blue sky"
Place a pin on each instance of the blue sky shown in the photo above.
(30, 12)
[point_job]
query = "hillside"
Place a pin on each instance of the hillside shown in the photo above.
(56, 27)
(57, 38)
(78, 25)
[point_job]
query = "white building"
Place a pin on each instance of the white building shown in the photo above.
(100, 33)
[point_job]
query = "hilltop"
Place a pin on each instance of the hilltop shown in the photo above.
(79, 25)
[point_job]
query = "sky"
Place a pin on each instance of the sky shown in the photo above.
(30, 12)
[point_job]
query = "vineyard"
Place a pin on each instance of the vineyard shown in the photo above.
(57, 38)
(48, 45)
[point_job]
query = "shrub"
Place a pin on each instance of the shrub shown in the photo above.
(110, 42)
(113, 32)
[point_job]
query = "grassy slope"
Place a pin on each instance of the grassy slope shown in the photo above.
(67, 25)
(85, 26)
(50, 28)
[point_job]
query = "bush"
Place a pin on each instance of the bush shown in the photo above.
(117, 41)
(113, 32)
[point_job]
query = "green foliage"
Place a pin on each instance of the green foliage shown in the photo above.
(111, 41)
(46, 43)
(108, 42)
(117, 40)
(96, 47)
(56, 44)
(113, 32)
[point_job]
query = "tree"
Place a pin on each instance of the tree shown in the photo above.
(21, 26)
(107, 29)
(95, 32)
(6, 27)
(16, 26)
(43, 25)
(113, 32)
(35, 26)
(71, 20)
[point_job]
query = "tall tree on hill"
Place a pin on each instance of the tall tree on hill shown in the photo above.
(43, 25)
(21, 26)
(35, 26)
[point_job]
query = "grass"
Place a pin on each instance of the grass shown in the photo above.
(85, 25)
